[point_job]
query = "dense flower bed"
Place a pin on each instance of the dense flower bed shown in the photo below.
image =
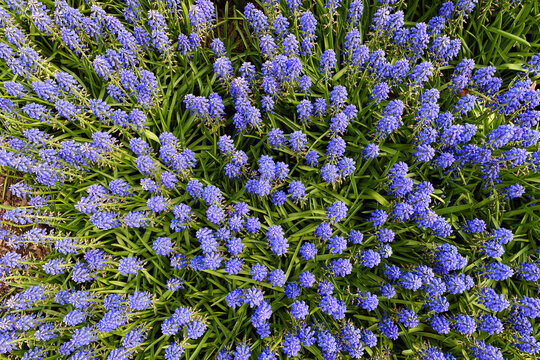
(332, 181)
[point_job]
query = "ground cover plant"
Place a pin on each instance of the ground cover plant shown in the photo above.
(298, 179)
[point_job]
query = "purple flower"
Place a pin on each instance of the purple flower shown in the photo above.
(281, 25)
(338, 96)
(290, 46)
(277, 278)
(305, 111)
(308, 251)
(339, 123)
(335, 149)
(299, 310)
(421, 73)
(380, 92)
(297, 190)
(330, 173)
(388, 328)
(130, 265)
(218, 48)
(163, 246)
(328, 62)
(276, 239)
(267, 45)
(312, 158)
(223, 68)
(336, 212)
(341, 267)
(258, 272)
(298, 141)
(354, 13)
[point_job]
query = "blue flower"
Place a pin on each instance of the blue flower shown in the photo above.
(337, 245)
(421, 73)
(308, 251)
(308, 23)
(338, 96)
(196, 329)
(312, 158)
(298, 141)
(257, 21)
(163, 246)
(354, 13)
(408, 318)
(339, 123)
(292, 291)
(305, 111)
(267, 45)
(464, 324)
(253, 297)
(218, 48)
(465, 104)
(290, 46)
(280, 25)
(276, 239)
(328, 62)
(336, 212)
(277, 278)
(378, 217)
(319, 108)
(223, 67)
(141, 300)
(366, 300)
(130, 265)
(387, 125)
(297, 190)
(370, 152)
(294, 5)
(380, 92)
(330, 173)
(341, 267)
(234, 265)
(388, 328)
(299, 310)
(258, 272)
(335, 149)
(474, 226)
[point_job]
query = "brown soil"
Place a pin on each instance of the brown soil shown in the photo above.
(31, 251)
(8, 199)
